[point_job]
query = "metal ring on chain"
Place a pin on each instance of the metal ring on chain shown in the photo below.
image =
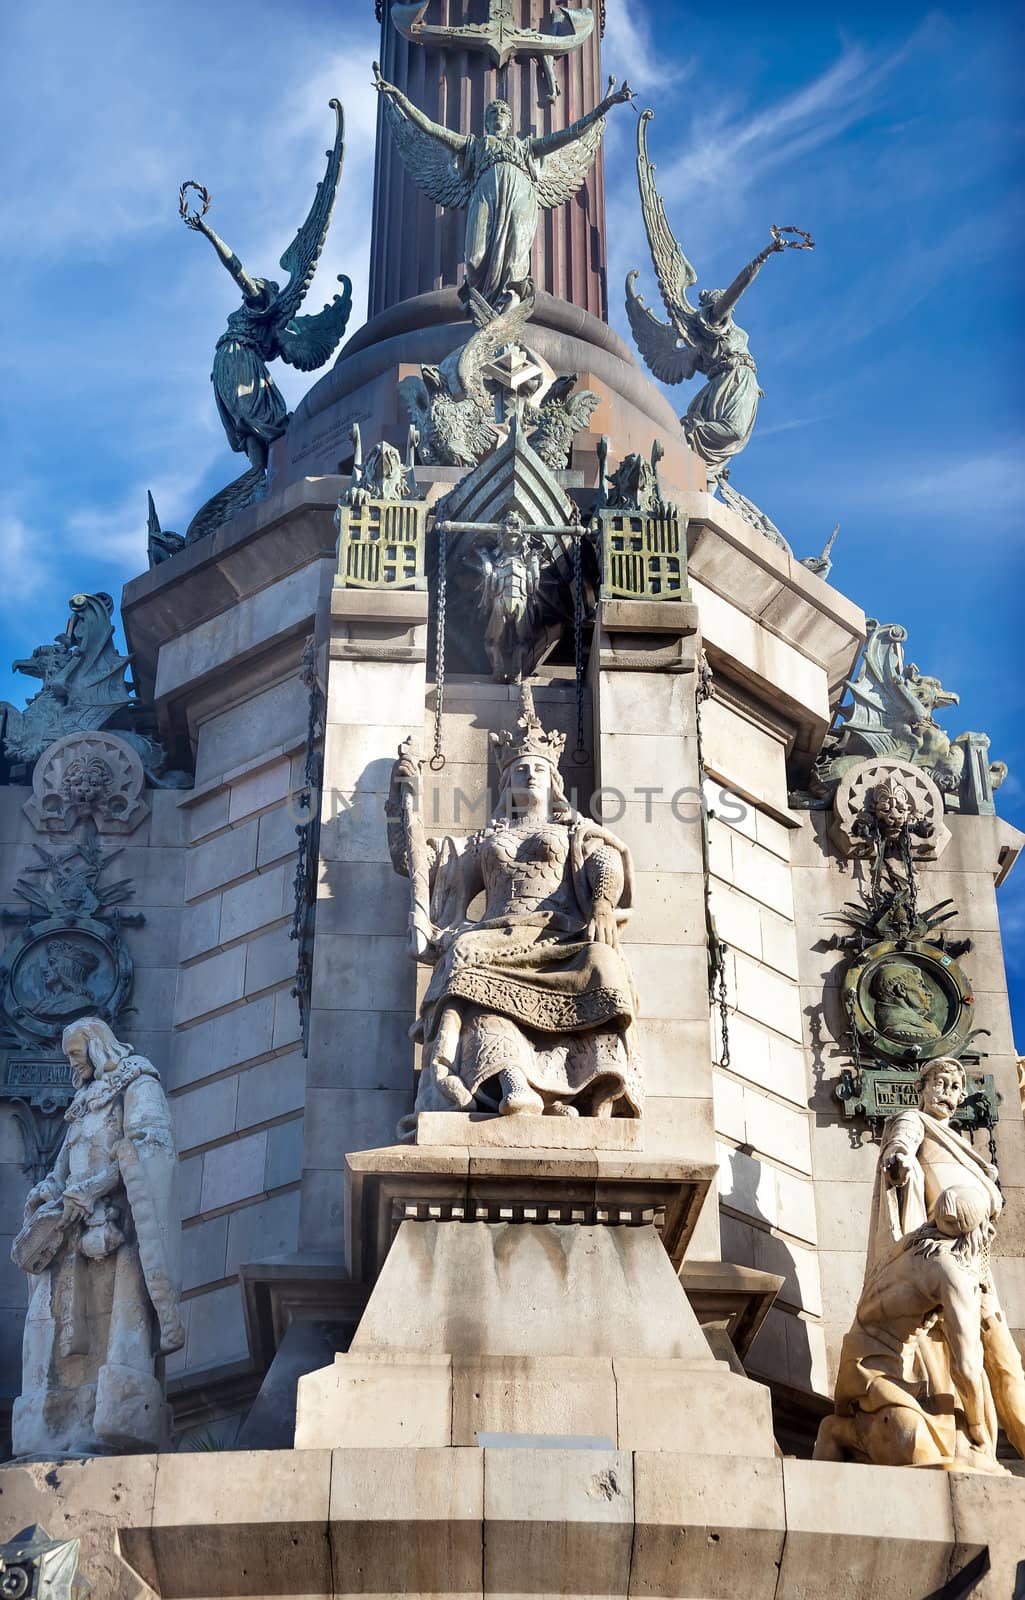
(436, 763)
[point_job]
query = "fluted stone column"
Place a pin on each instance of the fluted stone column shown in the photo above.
(418, 246)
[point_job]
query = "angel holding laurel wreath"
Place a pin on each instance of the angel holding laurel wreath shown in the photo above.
(503, 182)
(266, 326)
(703, 338)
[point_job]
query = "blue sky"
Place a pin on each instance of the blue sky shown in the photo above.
(889, 357)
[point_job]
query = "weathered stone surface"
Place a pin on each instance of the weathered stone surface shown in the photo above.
(939, 1196)
(552, 1029)
(864, 1534)
(525, 1546)
(677, 1406)
(241, 1035)
(390, 1399)
(101, 1241)
(437, 1496)
(744, 754)
(269, 718)
(233, 1171)
(990, 1512)
(590, 1523)
(561, 1290)
(556, 1396)
(209, 1511)
(88, 777)
(529, 1133)
(89, 1500)
(708, 1530)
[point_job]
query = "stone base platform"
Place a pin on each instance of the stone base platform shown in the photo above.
(396, 1400)
(476, 1130)
(527, 1293)
(504, 1523)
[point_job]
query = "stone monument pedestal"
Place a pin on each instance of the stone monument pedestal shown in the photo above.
(527, 1293)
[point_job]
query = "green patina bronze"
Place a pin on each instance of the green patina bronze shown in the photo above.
(265, 328)
(879, 1093)
(891, 713)
(381, 519)
(500, 37)
(703, 338)
(502, 181)
(643, 536)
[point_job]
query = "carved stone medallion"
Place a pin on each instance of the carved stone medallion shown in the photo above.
(873, 800)
(909, 1002)
(88, 776)
(61, 969)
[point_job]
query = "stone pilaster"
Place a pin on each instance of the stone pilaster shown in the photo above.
(644, 685)
(360, 1072)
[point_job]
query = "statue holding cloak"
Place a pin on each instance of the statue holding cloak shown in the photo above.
(531, 1005)
(914, 1348)
(101, 1242)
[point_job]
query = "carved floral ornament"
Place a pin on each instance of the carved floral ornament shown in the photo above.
(874, 801)
(88, 777)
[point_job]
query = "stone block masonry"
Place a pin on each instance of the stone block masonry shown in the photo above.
(498, 1523)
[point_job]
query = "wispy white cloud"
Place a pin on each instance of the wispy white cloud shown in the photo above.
(991, 480)
(119, 308)
(730, 148)
(632, 51)
(114, 532)
(983, 489)
(25, 558)
(791, 424)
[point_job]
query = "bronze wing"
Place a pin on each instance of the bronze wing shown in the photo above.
(493, 332)
(667, 347)
(563, 173)
(301, 257)
(307, 342)
(435, 168)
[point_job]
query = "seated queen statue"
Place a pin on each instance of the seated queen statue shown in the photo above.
(530, 1008)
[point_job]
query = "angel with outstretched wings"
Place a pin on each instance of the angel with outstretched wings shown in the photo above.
(702, 338)
(503, 182)
(267, 327)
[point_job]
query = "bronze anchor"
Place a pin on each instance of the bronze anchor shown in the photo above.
(499, 37)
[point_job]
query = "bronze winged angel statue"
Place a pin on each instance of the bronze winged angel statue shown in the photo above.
(267, 327)
(503, 182)
(703, 338)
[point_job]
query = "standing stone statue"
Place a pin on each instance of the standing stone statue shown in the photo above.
(101, 1242)
(929, 1368)
(531, 1006)
(266, 327)
(501, 180)
(721, 417)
